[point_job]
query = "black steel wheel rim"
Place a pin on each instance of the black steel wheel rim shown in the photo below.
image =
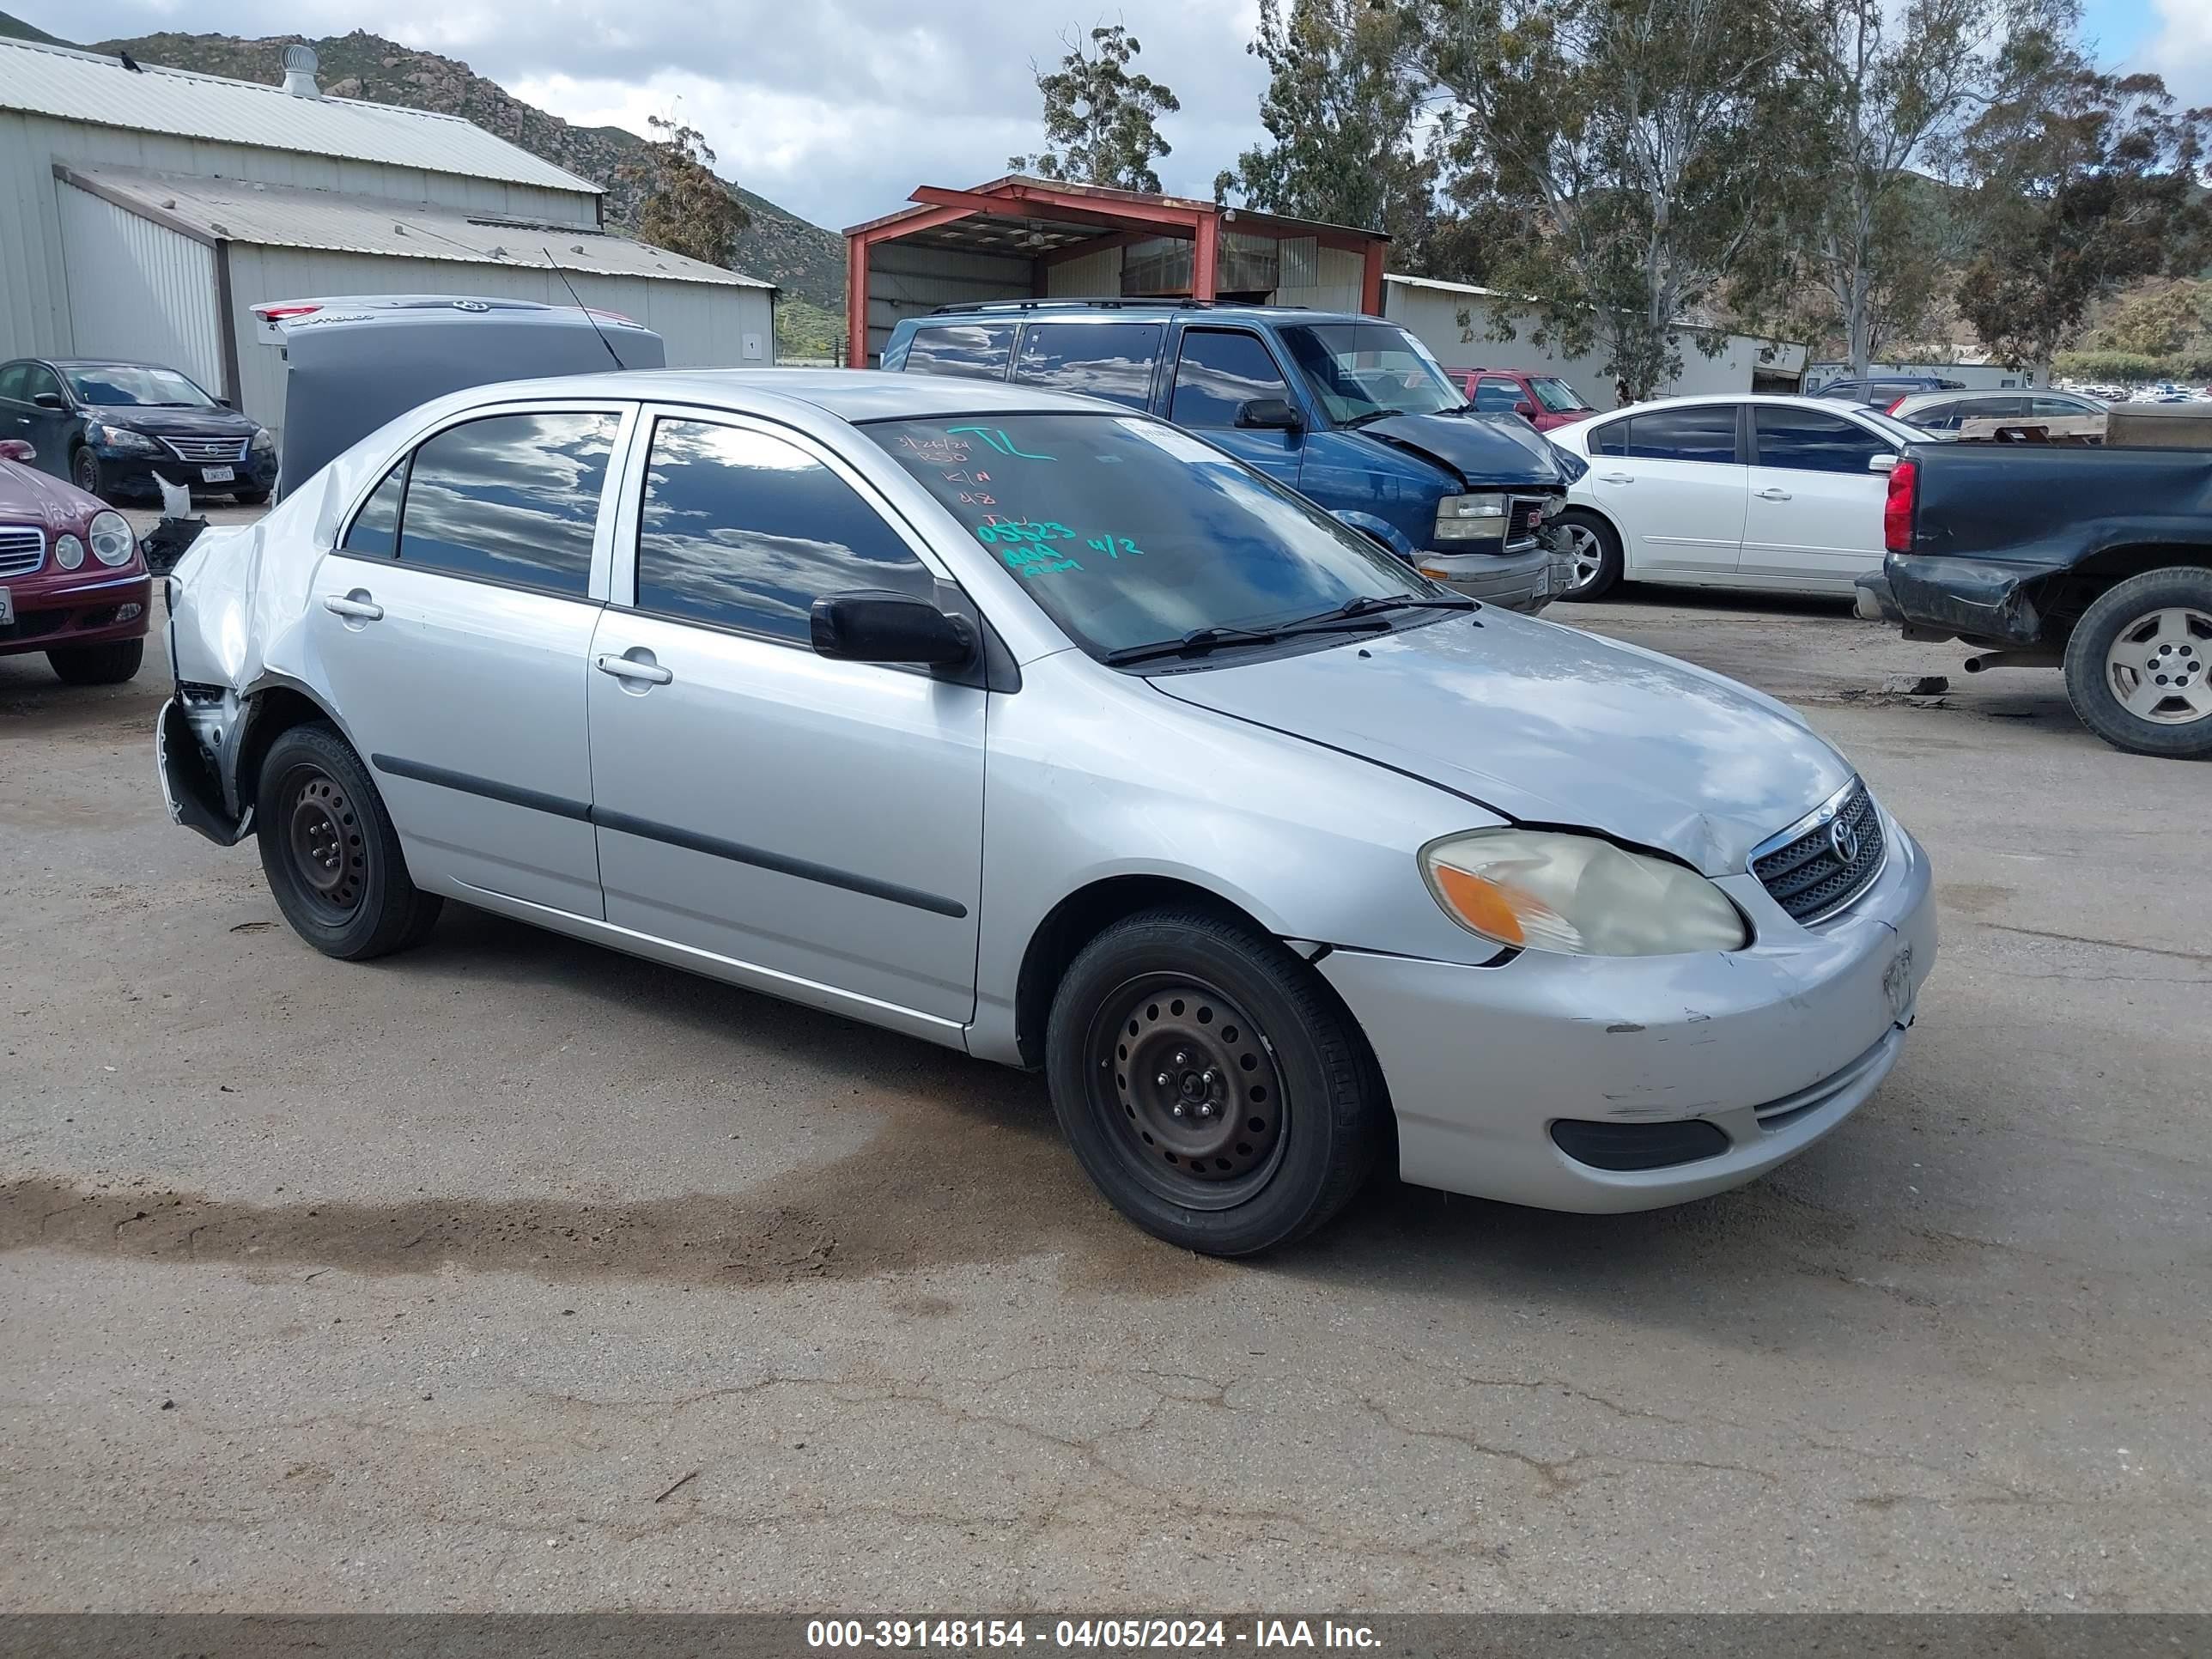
(1188, 1090)
(323, 836)
(88, 471)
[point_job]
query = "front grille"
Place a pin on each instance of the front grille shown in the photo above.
(208, 449)
(1817, 867)
(22, 550)
(1521, 515)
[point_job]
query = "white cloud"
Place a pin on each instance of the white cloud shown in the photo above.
(2182, 50)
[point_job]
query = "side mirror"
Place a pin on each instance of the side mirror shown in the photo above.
(225, 402)
(1268, 415)
(15, 449)
(49, 400)
(1882, 463)
(876, 626)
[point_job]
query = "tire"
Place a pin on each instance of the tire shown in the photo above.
(333, 861)
(1237, 1023)
(1597, 548)
(249, 497)
(85, 473)
(110, 664)
(2139, 664)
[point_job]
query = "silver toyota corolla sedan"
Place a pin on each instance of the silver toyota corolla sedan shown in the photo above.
(1036, 729)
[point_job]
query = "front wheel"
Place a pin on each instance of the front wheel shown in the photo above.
(2139, 664)
(1594, 547)
(86, 474)
(333, 858)
(108, 663)
(1211, 1084)
(249, 497)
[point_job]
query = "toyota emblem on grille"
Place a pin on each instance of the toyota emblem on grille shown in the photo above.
(1844, 842)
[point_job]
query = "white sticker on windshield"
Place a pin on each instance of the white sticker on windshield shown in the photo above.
(1176, 443)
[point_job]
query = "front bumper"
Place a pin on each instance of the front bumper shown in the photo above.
(1774, 1046)
(1523, 579)
(81, 609)
(134, 474)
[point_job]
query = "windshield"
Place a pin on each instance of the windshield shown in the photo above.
(1128, 531)
(1363, 370)
(1555, 394)
(113, 386)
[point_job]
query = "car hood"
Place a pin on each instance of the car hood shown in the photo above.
(171, 423)
(27, 497)
(1485, 450)
(1547, 725)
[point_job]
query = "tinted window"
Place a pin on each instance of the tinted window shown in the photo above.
(1936, 418)
(1098, 360)
(746, 531)
(1221, 369)
(13, 382)
(1705, 433)
(1809, 441)
(375, 529)
(1493, 393)
(41, 378)
(513, 498)
(2059, 406)
(973, 351)
(1127, 531)
(1611, 438)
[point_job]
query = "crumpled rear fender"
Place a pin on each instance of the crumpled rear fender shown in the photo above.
(1978, 598)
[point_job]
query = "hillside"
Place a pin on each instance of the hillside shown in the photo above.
(802, 258)
(14, 28)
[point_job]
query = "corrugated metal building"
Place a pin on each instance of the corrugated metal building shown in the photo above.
(147, 210)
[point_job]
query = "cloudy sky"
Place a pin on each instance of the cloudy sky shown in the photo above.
(836, 108)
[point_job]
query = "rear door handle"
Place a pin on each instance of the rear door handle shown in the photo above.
(357, 610)
(1616, 477)
(626, 668)
(1774, 494)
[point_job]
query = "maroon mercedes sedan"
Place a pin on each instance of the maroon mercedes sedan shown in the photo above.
(72, 582)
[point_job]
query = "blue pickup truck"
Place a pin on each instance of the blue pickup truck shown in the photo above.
(1350, 411)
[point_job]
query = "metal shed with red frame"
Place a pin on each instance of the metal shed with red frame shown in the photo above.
(1020, 238)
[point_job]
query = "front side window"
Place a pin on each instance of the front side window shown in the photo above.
(742, 530)
(968, 351)
(41, 382)
(1811, 440)
(1494, 394)
(1555, 394)
(16, 383)
(122, 386)
(2050, 406)
(1362, 371)
(1704, 432)
(510, 498)
(1127, 532)
(1219, 370)
(375, 531)
(1113, 361)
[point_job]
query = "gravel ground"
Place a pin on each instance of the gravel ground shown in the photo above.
(512, 1273)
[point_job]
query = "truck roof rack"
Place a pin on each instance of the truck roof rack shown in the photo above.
(971, 305)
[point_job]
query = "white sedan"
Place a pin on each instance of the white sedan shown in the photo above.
(1783, 494)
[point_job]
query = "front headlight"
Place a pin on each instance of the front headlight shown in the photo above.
(111, 540)
(1472, 518)
(69, 552)
(121, 439)
(1544, 891)
(264, 439)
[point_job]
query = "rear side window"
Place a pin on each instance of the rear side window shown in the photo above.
(971, 351)
(1705, 433)
(1811, 440)
(742, 530)
(1221, 370)
(375, 533)
(1098, 360)
(1611, 438)
(512, 498)
(1493, 393)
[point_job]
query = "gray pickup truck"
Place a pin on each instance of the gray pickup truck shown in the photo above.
(2097, 560)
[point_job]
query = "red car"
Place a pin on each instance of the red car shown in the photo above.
(73, 583)
(1545, 400)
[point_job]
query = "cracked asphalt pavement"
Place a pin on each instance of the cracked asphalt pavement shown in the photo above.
(514, 1274)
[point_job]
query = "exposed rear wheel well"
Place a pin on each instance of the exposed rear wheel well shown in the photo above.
(2063, 595)
(1078, 919)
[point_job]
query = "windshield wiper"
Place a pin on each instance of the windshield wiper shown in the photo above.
(1368, 604)
(1201, 641)
(1371, 415)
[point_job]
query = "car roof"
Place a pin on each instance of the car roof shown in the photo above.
(850, 394)
(1774, 400)
(102, 363)
(1064, 311)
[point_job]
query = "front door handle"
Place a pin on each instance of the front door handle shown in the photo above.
(1772, 494)
(1616, 477)
(355, 607)
(647, 672)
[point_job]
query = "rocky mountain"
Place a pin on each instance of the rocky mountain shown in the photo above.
(804, 260)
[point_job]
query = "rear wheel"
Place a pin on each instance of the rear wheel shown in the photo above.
(1210, 1083)
(331, 856)
(1595, 546)
(2139, 664)
(110, 664)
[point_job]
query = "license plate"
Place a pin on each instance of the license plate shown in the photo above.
(7, 608)
(216, 474)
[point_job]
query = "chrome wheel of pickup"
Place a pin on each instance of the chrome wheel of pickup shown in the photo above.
(2139, 663)
(2159, 667)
